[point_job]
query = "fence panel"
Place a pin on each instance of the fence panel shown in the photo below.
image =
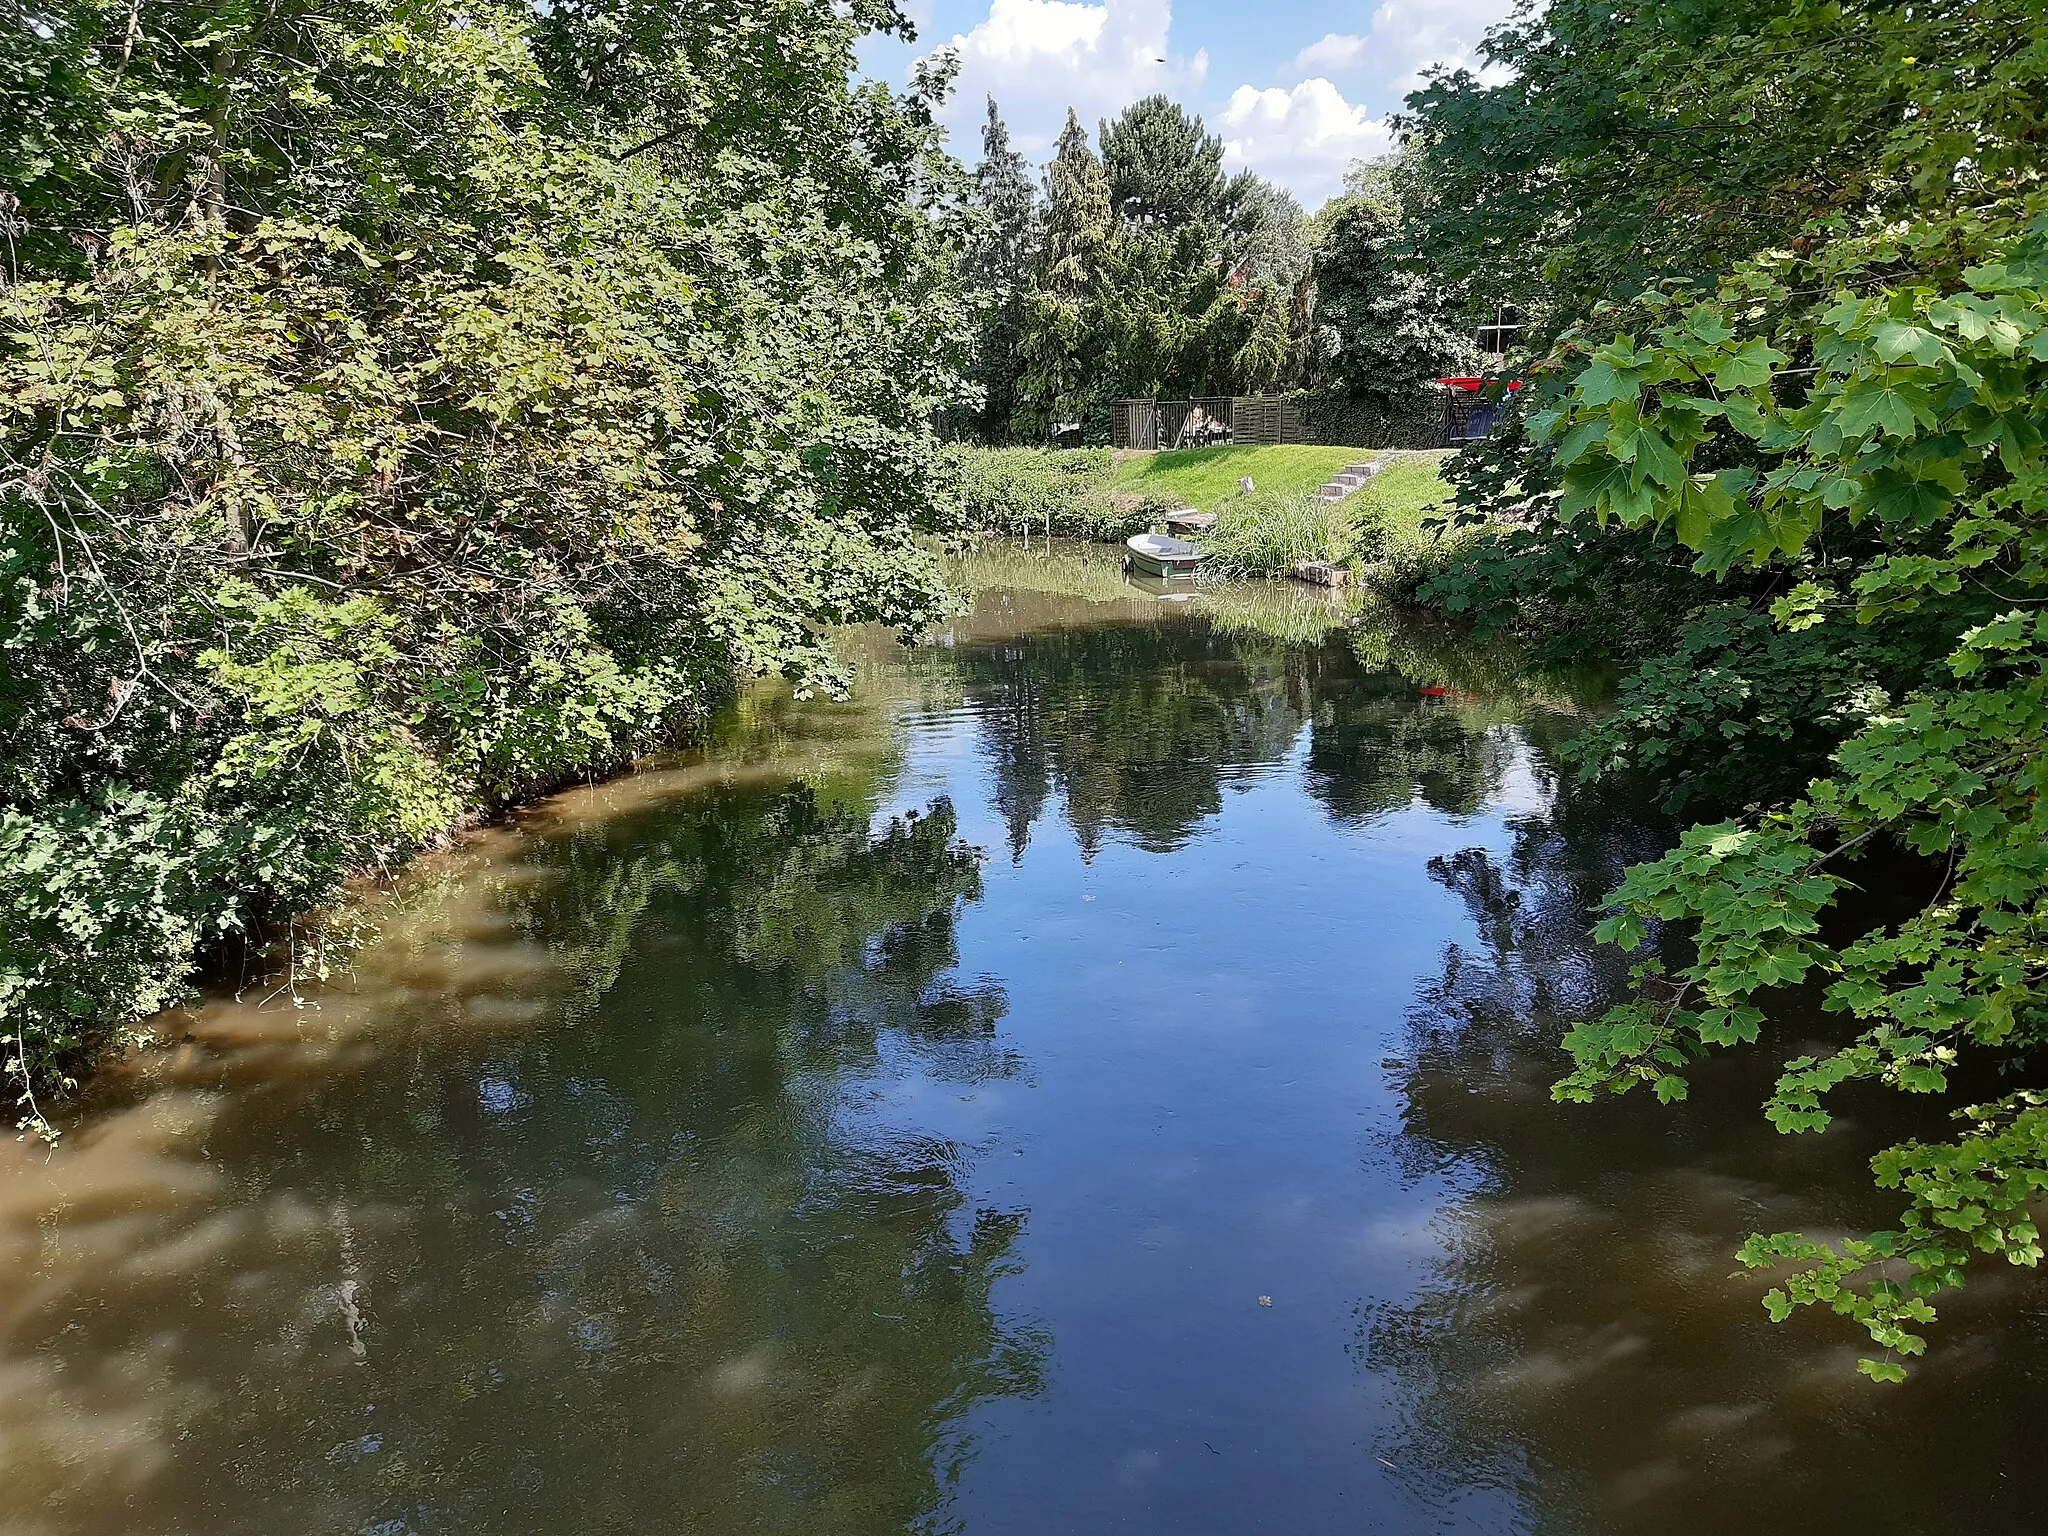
(1254, 419)
(1430, 418)
(1194, 423)
(1134, 424)
(1267, 419)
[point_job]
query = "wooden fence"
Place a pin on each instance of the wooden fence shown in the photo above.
(1295, 418)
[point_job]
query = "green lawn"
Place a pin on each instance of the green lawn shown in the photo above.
(1410, 487)
(1204, 476)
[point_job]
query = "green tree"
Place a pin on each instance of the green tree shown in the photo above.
(1165, 169)
(1000, 265)
(1061, 344)
(408, 406)
(1158, 275)
(1268, 245)
(1828, 399)
(1623, 145)
(1383, 327)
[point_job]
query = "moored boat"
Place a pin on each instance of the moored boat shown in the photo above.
(1157, 555)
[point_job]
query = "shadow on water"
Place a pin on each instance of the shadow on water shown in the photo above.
(572, 1215)
(733, 1147)
(1585, 1337)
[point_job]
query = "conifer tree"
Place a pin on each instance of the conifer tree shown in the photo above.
(1165, 169)
(1000, 264)
(1060, 347)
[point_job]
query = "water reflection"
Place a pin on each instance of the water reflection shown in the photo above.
(1137, 727)
(733, 1148)
(560, 1252)
(1579, 1338)
(1138, 719)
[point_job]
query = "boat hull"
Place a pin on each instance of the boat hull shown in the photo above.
(1170, 565)
(1151, 555)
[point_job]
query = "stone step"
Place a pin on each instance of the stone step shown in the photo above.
(1342, 484)
(1322, 573)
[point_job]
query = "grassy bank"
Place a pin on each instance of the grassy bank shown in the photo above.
(1386, 532)
(1068, 493)
(1205, 477)
(1409, 502)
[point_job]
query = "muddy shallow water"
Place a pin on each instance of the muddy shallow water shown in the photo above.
(1095, 1080)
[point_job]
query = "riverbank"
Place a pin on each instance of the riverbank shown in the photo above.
(397, 473)
(725, 1146)
(277, 966)
(1392, 534)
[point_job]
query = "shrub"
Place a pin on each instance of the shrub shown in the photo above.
(1265, 534)
(1063, 491)
(373, 469)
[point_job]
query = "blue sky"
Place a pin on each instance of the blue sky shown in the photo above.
(1296, 88)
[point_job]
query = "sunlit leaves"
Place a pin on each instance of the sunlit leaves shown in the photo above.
(1918, 424)
(429, 441)
(1841, 334)
(1879, 406)
(1747, 366)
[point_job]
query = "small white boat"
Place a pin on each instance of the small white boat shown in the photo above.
(1157, 555)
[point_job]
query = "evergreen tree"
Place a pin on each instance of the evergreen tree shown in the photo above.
(1000, 268)
(1164, 167)
(1270, 280)
(1060, 346)
(1157, 275)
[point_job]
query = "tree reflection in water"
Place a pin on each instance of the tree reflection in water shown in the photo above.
(649, 1262)
(1583, 1338)
(625, 1188)
(1139, 726)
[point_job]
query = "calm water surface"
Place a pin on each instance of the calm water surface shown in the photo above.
(1094, 1081)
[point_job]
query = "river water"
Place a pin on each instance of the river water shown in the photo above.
(1095, 1080)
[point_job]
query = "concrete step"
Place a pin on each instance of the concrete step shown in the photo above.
(1342, 484)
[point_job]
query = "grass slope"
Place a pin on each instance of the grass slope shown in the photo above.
(1204, 476)
(1378, 530)
(1409, 488)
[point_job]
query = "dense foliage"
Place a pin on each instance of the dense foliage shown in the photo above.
(1054, 493)
(1146, 271)
(1610, 146)
(1383, 326)
(1155, 273)
(1813, 447)
(409, 405)
(998, 274)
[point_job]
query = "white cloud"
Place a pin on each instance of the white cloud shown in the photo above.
(1039, 57)
(1302, 138)
(1031, 32)
(1332, 52)
(1405, 39)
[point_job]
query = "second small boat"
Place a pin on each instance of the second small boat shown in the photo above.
(1154, 554)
